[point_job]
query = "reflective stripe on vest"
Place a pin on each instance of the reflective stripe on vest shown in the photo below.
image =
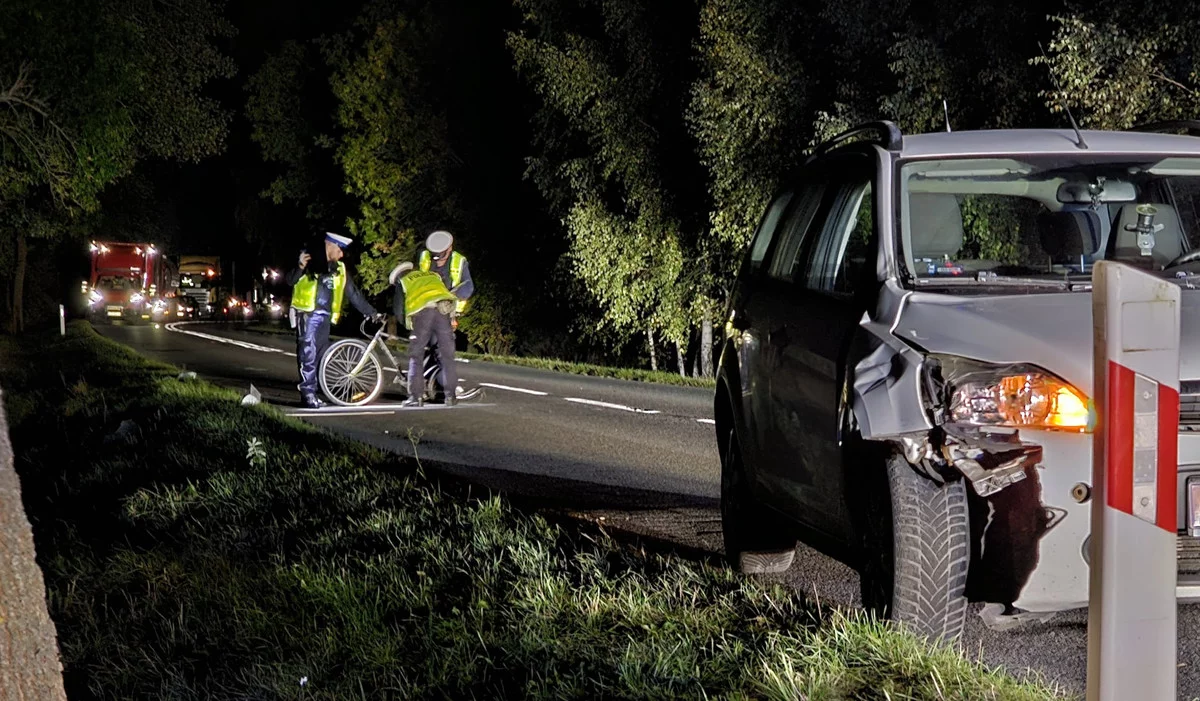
(422, 289)
(456, 268)
(304, 294)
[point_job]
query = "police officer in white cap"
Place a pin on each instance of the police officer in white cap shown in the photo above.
(440, 257)
(317, 297)
(424, 305)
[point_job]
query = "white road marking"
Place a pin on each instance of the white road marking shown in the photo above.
(383, 409)
(318, 412)
(607, 405)
(534, 392)
(219, 339)
(378, 408)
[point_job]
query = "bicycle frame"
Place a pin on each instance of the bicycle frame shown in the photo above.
(379, 340)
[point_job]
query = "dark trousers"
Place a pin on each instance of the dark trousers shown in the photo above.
(312, 338)
(427, 325)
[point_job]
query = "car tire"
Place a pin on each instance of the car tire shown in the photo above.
(917, 550)
(755, 541)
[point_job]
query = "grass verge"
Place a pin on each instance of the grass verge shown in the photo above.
(632, 374)
(195, 548)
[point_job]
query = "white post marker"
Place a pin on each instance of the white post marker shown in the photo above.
(1131, 617)
(62, 320)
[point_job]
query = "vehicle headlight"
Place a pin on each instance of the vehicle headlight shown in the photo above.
(96, 297)
(1011, 396)
(137, 298)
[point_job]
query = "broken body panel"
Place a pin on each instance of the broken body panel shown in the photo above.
(1034, 528)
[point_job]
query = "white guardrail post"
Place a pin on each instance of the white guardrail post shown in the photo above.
(62, 320)
(1131, 618)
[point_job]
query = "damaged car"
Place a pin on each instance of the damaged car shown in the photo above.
(906, 376)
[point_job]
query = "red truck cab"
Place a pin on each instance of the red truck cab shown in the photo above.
(126, 281)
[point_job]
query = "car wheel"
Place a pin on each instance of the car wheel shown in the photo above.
(755, 542)
(917, 550)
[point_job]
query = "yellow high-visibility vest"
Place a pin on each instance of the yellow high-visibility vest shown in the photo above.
(423, 289)
(456, 267)
(304, 294)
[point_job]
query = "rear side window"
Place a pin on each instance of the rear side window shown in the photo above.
(766, 231)
(840, 253)
(792, 232)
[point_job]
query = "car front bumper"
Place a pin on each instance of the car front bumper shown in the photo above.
(1060, 571)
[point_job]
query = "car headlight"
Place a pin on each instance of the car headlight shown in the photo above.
(1011, 396)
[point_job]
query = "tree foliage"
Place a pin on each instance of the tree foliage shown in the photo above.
(659, 129)
(393, 147)
(89, 90)
(1116, 72)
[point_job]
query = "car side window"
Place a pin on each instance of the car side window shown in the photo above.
(767, 229)
(838, 256)
(796, 223)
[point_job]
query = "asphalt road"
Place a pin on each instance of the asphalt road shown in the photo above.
(634, 456)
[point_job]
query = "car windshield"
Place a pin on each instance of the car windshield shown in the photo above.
(109, 282)
(1046, 219)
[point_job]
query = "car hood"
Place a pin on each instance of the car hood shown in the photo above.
(1052, 331)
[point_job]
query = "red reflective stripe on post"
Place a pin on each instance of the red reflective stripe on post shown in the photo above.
(1168, 458)
(1119, 437)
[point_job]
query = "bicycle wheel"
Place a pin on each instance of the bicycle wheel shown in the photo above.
(339, 384)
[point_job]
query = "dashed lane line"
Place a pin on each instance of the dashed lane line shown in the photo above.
(376, 409)
(522, 390)
(609, 405)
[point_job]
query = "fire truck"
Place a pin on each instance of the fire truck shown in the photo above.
(130, 281)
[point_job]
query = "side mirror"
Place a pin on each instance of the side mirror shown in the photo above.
(1081, 192)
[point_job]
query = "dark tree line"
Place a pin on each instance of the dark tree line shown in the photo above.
(603, 162)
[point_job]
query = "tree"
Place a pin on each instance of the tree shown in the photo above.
(92, 88)
(1116, 68)
(290, 109)
(747, 115)
(616, 161)
(393, 148)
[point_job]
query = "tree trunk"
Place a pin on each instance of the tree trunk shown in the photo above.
(29, 661)
(653, 350)
(706, 345)
(16, 322)
(681, 360)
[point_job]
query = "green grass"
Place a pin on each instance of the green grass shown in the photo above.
(184, 565)
(632, 374)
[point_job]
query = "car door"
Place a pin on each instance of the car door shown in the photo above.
(774, 286)
(743, 331)
(809, 335)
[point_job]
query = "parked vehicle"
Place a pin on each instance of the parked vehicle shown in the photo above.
(906, 375)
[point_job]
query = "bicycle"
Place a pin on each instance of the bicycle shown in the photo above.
(351, 373)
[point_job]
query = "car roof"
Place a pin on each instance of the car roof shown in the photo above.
(1043, 141)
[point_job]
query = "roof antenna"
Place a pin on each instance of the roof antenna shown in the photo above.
(946, 111)
(1066, 108)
